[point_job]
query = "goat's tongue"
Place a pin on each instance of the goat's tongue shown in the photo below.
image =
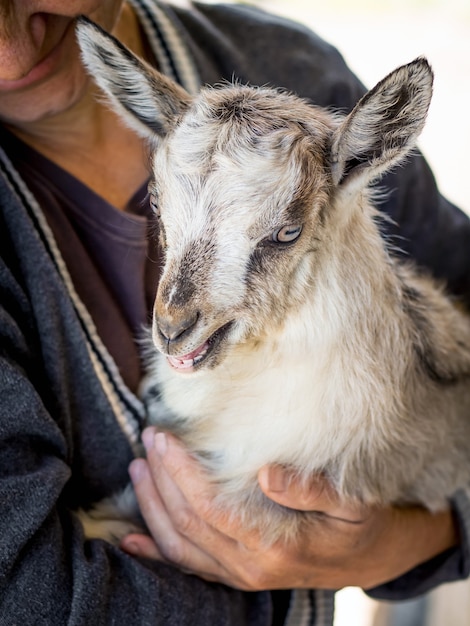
(187, 360)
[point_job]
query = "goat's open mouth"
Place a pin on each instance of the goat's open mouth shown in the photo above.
(192, 360)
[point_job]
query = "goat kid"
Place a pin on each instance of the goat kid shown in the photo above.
(286, 331)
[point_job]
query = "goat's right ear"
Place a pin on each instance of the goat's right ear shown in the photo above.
(146, 99)
(383, 126)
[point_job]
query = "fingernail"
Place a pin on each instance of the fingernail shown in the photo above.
(131, 547)
(160, 443)
(277, 480)
(148, 438)
(136, 470)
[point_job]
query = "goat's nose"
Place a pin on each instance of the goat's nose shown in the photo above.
(172, 329)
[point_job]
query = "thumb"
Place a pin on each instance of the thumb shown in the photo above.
(288, 489)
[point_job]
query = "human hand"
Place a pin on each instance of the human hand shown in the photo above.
(344, 545)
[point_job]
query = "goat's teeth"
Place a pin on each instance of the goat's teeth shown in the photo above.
(180, 364)
(184, 363)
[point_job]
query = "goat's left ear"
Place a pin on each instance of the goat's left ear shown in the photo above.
(146, 99)
(383, 126)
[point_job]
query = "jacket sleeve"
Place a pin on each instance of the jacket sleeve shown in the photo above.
(450, 566)
(49, 574)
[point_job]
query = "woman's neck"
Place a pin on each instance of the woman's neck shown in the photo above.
(92, 143)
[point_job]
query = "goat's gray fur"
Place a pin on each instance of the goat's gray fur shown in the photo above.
(286, 331)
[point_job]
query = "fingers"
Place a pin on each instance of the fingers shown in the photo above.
(171, 465)
(178, 504)
(169, 545)
(169, 517)
(152, 507)
(339, 549)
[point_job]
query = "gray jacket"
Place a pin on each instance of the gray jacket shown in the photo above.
(68, 424)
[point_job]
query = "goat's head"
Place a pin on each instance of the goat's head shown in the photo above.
(243, 184)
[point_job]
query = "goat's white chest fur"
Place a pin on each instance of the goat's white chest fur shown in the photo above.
(287, 332)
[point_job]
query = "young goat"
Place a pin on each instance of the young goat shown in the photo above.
(287, 332)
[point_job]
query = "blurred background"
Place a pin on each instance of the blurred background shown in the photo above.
(375, 37)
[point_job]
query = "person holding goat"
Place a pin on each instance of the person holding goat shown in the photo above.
(79, 267)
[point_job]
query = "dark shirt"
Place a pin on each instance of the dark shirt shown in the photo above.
(111, 255)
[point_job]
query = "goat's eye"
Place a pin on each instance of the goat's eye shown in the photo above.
(287, 234)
